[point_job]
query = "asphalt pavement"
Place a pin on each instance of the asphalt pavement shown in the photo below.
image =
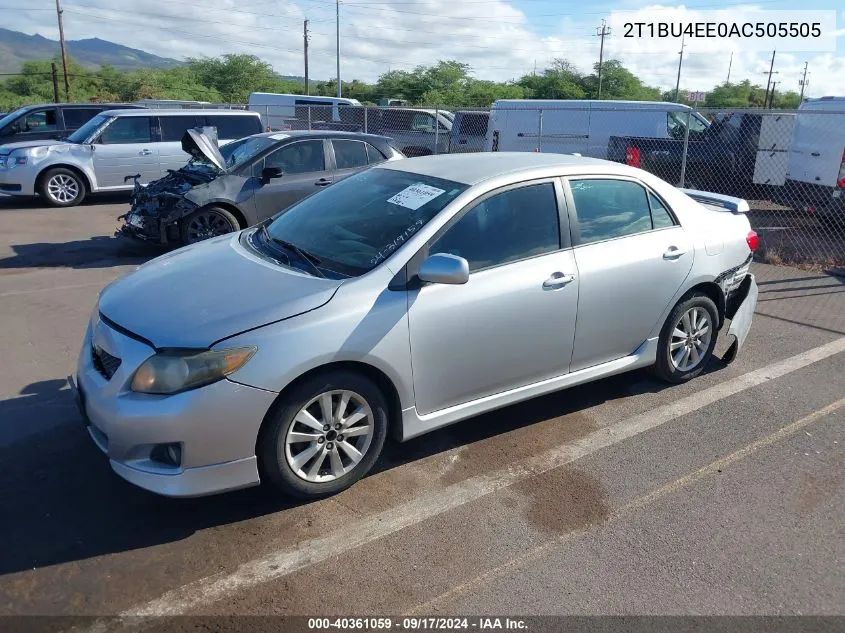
(723, 496)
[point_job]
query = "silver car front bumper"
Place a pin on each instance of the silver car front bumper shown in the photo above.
(215, 426)
(19, 181)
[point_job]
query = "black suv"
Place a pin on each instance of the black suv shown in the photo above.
(50, 121)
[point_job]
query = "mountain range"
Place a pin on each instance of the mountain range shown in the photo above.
(17, 48)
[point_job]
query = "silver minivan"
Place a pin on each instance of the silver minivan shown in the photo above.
(110, 151)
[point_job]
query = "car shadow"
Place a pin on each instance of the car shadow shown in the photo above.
(91, 200)
(61, 502)
(95, 252)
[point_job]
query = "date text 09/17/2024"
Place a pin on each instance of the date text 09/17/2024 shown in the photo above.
(417, 623)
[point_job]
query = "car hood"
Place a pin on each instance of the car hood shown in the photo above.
(201, 143)
(7, 147)
(200, 294)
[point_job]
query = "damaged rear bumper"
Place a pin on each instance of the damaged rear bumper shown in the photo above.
(740, 310)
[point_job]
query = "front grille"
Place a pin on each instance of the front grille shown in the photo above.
(104, 363)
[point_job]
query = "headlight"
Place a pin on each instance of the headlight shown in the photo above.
(171, 372)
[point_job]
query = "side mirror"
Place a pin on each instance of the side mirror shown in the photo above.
(443, 268)
(15, 128)
(268, 173)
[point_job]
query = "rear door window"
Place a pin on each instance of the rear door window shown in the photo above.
(349, 154)
(77, 117)
(234, 126)
(173, 128)
(607, 209)
(40, 121)
(130, 129)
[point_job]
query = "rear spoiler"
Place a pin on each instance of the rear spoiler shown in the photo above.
(729, 203)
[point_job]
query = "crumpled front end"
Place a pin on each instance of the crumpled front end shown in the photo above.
(155, 209)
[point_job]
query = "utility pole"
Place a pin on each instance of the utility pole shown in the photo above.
(772, 95)
(305, 48)
(730, 63)
(769, 82)
(337, 9)
(62, 44)
(601, 31)
(680, 62)
(54, 75)
(803, 82)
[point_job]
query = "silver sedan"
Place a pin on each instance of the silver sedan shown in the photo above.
(413, 295)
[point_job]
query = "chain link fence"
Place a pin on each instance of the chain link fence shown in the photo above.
(789, 165)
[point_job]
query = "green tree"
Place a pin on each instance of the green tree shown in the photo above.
(619, 83)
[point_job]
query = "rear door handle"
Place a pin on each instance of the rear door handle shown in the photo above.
(322, 182)
(673, 252)
(558, 280)
(145, 152)
(463, 141)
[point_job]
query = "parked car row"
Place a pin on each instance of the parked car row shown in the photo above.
(109, 150)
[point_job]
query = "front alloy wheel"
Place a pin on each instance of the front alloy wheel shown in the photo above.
(61, 187)
(207, 223)
(329, 436)
(323, 435)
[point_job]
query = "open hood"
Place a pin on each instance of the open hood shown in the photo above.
(201, 143)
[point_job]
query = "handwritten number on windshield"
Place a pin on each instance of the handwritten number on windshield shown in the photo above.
(391, 246)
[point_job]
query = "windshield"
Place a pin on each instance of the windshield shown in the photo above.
(12, 116)
(354, 225)
(86, 131)
(677, 121)
(239, 152)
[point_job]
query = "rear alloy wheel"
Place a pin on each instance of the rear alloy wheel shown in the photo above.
(62, 187)
(325, 436)
(687, 339)
(206, 223)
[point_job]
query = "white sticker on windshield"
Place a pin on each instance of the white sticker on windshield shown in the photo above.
(415, 196)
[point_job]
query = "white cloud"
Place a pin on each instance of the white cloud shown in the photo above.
(494, 37)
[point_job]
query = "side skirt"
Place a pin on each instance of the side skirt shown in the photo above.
(414, 424)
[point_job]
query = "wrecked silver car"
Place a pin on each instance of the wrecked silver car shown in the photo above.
(224, 189)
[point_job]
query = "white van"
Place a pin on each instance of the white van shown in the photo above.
(816, 167)
(583, 127)
(286, 111)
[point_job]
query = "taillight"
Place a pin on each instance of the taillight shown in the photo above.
(632, 156)
(840, 179)
(752, 240)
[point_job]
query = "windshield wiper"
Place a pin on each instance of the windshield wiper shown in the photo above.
(311, 259)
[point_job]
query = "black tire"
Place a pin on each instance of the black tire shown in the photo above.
(206, 223)
(271, 446)
(61, 187)
(664, 367)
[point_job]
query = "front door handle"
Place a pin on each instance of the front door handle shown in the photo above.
(145, 152)
(322, 182)
(673, 252)
(558, 280)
